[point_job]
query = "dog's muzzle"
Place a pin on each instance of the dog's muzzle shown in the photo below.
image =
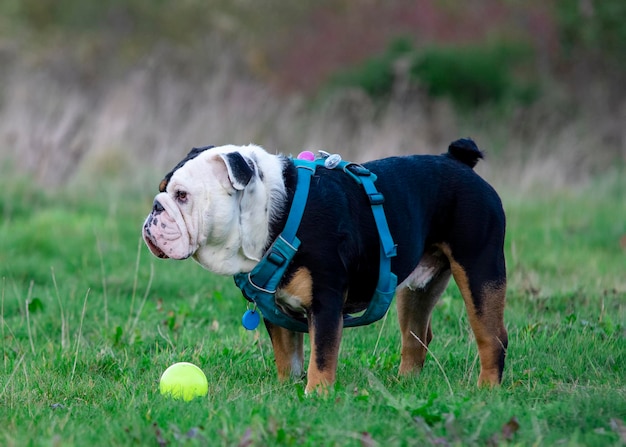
(164, 236)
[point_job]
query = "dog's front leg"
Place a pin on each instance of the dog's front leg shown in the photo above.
(288, 351)
(325, 330)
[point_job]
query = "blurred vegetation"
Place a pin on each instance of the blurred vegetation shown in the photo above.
(469, 75)
(586, 30)
(171, 20)
(149, 22)
(542, 80)
(591, 40)
(475, 72)
(593, 30)
(376, 76)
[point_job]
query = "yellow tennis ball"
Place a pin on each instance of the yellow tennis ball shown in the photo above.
(183, 381)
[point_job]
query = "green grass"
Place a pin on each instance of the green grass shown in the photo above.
(89, 321)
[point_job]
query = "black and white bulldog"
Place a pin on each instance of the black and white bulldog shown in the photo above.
(224, 206)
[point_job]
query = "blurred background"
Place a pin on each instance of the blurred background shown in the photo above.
(111, 88)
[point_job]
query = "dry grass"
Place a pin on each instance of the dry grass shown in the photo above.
(59, 126)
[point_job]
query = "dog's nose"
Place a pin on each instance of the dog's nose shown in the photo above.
(157, 207)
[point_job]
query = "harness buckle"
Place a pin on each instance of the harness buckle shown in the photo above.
(276, 258)
(357, 169)
(376, 198)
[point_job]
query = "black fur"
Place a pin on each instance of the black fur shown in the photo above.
(465, 150)
(430, 202)
(241, 171)
(191, 155)
(429, 199)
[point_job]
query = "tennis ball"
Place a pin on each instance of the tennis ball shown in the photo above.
(183, 381)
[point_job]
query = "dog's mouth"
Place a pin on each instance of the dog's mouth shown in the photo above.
(156, 251)
(166, 237)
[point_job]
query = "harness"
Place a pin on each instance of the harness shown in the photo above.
(259, 286)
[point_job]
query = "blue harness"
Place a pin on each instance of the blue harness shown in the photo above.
(259, 286)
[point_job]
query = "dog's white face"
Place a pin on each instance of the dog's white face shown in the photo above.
(217, 208)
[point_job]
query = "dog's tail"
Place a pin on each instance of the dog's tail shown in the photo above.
(465, 151)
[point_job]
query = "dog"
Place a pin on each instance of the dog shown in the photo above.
(224, 206)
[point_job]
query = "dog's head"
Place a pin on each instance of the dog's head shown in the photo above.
(216, 206)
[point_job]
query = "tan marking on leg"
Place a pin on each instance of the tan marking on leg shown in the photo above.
(288, 352)
(415, 303)
(320, 380)
(494, 298)
(297, 294)
(488, 327)
(413, 320)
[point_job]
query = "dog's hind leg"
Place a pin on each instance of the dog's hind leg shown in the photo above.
(415, 302)
(288, 351)
(482, 282)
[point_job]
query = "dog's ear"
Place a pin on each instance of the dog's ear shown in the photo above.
(242, 172)
(240, 169)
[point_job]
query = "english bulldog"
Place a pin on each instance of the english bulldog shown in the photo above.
(224, 206)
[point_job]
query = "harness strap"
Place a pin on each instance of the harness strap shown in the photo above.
(387, 281)
(305, 172)
(269, 271)
(259, 286)
(367, 179)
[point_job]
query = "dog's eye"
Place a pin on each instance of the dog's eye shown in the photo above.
(181, 196)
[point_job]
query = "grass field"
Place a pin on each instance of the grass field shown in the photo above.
(89, 321)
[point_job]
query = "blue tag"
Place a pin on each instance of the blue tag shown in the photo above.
(251, 319)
